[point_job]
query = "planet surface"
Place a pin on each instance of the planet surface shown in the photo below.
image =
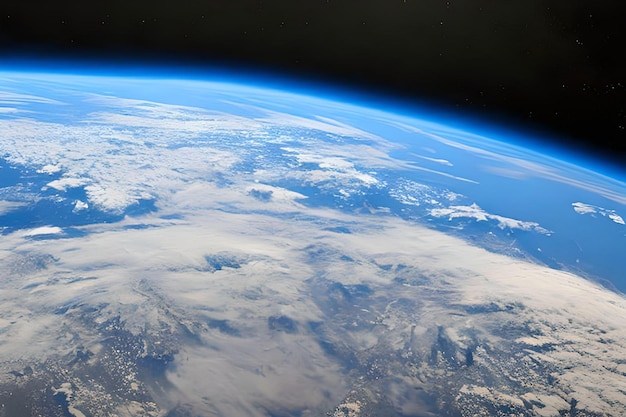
(187, 247)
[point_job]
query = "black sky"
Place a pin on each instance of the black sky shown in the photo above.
(555, 67)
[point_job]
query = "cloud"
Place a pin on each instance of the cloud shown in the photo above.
(154, 277)
(475, 212)
(214, 180)
(49, 169)
(44, 230)
(79, 206)
(440, 161)
(8, 97)
(160, 147)
(582, 208)
(519, 164)
(8, 206)
(335, 169)
(416, 194)
(321, 124)
(64, 183)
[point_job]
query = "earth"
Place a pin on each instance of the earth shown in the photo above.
(186, 247)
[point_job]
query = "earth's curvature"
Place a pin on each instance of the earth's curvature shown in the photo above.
(193, 248)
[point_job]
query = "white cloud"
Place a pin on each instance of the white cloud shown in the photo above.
(49, 169)
(435, 160)
(79, 206)
(582, 208)
(137, 172)
(8, 206)
(9, 97)
(156, 281)
(111, 198)
(44, 230)
(334, 167)
(416, 194)
(443, 174)
(137, 272)
(519, 165)
(320, 123)
(64, 183)
(159, 147)
(475, 212)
